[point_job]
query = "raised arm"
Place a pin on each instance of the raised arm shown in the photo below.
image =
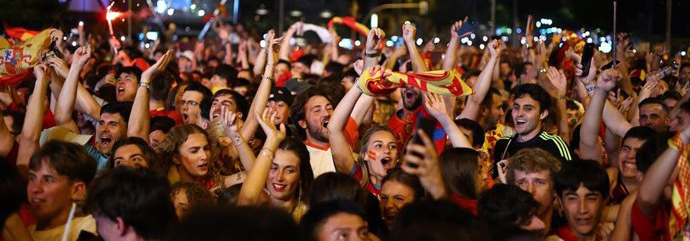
(85, 102)
(68, 94)
(262, 94)
(451, 53)
(140, 119)
(372, 49)
(229, 121)
(253, 187)
(645, 93)
(589, 132)
(340, 148)
(285, 48)
(558, 80)
(31, 130)
(483, 83)
(261, 61)
(409, 31)
(435, 104)
(652, 188)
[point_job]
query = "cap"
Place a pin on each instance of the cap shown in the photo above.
(281, 94)
(295, 86)
(187, 54)
(63, 134)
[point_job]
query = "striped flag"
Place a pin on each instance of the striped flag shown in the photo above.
(439, 82)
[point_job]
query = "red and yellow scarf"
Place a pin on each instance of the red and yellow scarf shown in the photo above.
(439, 82)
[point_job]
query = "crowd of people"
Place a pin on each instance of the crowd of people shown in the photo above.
(246, 136)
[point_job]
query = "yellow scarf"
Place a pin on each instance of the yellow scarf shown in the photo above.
(439, 81)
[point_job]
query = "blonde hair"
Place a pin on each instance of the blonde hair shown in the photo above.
(177, 136)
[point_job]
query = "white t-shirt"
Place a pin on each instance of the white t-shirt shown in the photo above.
(86, 223)
(320, 158)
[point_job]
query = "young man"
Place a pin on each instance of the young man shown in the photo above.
(127, 82)
(58, 176)
(530, 110)
(508, 205)
(111, 127)
(654, 114)
(231, 101)
(582, 188)
(196, 101)
(533, 170)
(312, 112)
(224, 76)
(335, 220)
(130, 204)
(280, 100)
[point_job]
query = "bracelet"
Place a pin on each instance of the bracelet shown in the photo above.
(146, 85)
(372, 55)
(267, 151)
(590, 88)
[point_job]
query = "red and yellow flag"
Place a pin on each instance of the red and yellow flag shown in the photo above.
(680, 202)
(350, 22)
(442, 82)
(17, 58)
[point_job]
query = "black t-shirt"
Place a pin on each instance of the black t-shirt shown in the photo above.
(508, 146)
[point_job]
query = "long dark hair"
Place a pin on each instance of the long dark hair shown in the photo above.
(306, 176)
(459, 167)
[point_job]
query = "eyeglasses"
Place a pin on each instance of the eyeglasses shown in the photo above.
(189, 102)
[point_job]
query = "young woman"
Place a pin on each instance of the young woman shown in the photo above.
(282, 170)
(134, 152)
(399, 189)
(378, 152)
(188, 156)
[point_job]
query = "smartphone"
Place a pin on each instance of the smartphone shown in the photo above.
(610, 64)
(587, 54)
(426, 125)
(467, 27)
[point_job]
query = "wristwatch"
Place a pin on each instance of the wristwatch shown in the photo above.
(146, 85)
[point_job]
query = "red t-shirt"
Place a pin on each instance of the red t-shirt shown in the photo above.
(403, 128)
(654, 228)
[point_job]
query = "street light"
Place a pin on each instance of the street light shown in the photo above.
(423, 7)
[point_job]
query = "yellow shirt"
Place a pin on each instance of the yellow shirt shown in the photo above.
(86, 223)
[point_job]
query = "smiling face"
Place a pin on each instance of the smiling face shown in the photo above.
(111, 128)
(50, 194)
(343, 227)
(527, 116)
(126, 87)
(382, 153)
(222, 101)
(129, 156)
(583, 209)
(191, 111)
(283, 178)
(194, 155)
(317, 113)
(626, 157)
(540, 185)
(394, 196)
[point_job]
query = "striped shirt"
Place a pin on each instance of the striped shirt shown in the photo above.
(509, 146)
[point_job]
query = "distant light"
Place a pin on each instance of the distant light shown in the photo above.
(420, 41)
(357, 42)
(262, 11)
(74, 43)
(394, 38)
(605, 47)
(161, 6)
(634, 51)
(345, 43)
(464, 40)
(437, 40)
(536, 39)
(64, 38)
(485, 38)
(602, 39)
(518, 30)
(523, 40)
(152, 35)
(171, 11)
(295, 13)
(262, 43)
(201, 13)
(81, 23)
(472, 36)
(538, 24)
(147, 45)
(193, 6)
(186, 29)
(122, 38)
(110, 16)
(542, 37)
(375, 21)
(509, 31)
(389, 43)
(683, 53)
(589, 40)
(469, 43)
(505, 38)
(326, 14)
(481, 46)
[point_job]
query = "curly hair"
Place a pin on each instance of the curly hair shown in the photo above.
(197, 195)
(177, 136)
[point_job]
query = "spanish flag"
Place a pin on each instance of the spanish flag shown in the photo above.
(439, 82)
(680, 202)
(350, 22)
(17, 58)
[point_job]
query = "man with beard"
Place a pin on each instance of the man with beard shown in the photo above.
(312, 109)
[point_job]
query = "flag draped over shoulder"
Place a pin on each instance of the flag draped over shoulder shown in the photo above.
(680, 202)
(439, 82)
(17, 58)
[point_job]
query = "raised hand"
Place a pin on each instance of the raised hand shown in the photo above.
(58, 65)
(558, 80)
(408, 32)
(422, 161)
(229, 121)
(40, 72)
(586, 80)
(81, 55)
(608, 79)
(456, 26)
(435, 104)
(495, 48)
(273, 135)
(358, 66)
(375, 40)
(158, 67)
